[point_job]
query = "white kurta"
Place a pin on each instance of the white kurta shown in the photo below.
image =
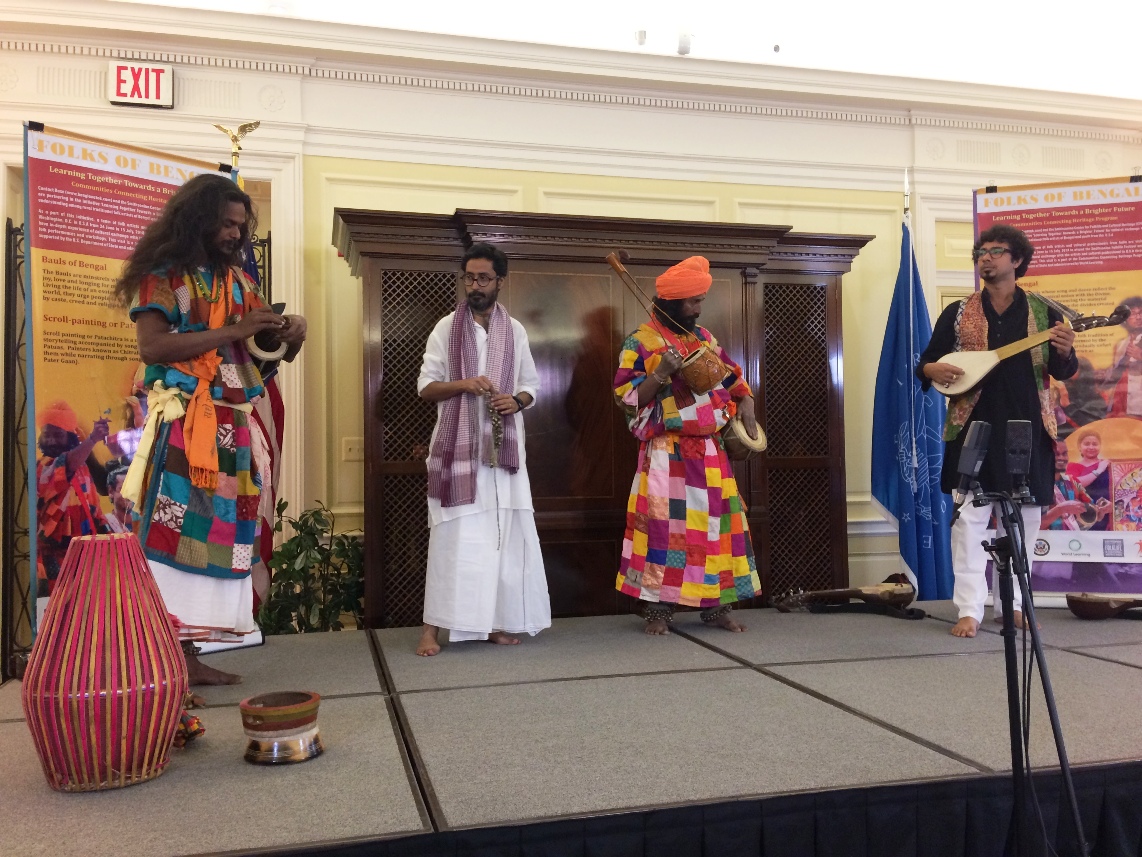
(485, 571)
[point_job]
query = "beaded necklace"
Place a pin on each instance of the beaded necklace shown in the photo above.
(206, 290)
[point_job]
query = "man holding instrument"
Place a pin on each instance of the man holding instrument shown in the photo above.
(485, 577)
(687, 540)
(196, 479)
(1018, 388)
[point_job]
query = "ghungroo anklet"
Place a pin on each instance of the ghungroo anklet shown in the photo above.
(653, 614)
(714, 613)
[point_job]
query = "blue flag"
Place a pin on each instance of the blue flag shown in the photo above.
(907, 449)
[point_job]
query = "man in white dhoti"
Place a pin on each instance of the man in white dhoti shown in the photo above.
(485, 572)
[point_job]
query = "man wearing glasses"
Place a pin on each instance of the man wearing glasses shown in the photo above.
(485, 573)
(1017, 389)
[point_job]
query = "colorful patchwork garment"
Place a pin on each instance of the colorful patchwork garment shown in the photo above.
(203, 530)
(687, 540)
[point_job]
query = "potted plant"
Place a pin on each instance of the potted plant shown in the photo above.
(317, 581)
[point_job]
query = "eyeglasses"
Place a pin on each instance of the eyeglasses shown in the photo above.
(483, 279)
(993, 252)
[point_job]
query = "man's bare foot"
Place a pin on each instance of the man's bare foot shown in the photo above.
(1017, 617)
(726, 620)
(966, 627)
(502, 638)
(200, 673)
(428, 645)
(657, 628)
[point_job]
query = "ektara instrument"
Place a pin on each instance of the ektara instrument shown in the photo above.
(702, 369)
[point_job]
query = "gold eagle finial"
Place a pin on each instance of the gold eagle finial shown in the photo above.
(235, 147)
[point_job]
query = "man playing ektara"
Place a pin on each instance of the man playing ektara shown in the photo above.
(485, 578)
(687, 540)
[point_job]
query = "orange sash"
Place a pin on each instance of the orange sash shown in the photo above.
(200, 429)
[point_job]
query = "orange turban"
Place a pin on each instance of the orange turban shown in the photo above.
(60, 415)
(688, 279)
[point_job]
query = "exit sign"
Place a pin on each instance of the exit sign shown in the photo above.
(140, 83)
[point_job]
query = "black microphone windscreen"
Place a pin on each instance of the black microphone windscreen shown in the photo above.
(974, 449)
(1018, 447)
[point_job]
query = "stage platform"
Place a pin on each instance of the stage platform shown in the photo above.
(808, 734)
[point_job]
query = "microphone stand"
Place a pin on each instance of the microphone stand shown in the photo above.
(1010, 558)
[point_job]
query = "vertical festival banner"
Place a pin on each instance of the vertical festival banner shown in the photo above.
(1088, 257)
(87, 203)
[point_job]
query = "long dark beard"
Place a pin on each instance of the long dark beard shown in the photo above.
(483, 307)
(674, 322)
(221, 260)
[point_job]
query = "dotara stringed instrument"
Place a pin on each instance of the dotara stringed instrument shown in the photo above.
(976, 365)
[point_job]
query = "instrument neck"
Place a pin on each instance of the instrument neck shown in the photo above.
(1030, 342)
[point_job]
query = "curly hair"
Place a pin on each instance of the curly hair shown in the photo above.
(1015, 240)
(182, 236)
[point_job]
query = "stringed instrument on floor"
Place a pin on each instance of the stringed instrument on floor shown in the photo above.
(1087, 606)
(887, 594)
(976, 365)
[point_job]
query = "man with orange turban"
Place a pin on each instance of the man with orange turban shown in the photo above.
(687, 540)
(67, 499)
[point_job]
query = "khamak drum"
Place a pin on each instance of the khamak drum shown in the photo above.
(265, 348)
(703, 370)
(739, 445)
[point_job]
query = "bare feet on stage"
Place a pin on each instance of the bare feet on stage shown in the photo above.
(428, 645)
(657, 628)
(966, 627)
(1020, 623)
(200, 673)
(502, 638)
(727, 621)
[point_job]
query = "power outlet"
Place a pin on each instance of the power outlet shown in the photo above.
(352, 449)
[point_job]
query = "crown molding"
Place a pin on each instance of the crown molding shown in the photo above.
(375, 56)
(585, 94)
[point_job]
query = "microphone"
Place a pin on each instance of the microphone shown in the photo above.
(1019, 455)
(1018, 447)
(971, 460)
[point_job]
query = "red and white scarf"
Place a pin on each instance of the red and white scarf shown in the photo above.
(458, 450)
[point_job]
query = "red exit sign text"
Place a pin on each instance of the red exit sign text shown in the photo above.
(140, 83)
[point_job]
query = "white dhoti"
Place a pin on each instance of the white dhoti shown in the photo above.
(208, 609)
(485, 571)
(475, 587)
(969, 559)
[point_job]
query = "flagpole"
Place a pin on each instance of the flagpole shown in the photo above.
(911, 328)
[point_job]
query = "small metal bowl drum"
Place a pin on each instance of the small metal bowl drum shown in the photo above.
(282, 727)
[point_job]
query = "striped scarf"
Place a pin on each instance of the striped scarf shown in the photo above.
(452, 461)
(971, 335)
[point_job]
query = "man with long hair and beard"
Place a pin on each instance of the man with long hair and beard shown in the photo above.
(687, 540)
(197, 476)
